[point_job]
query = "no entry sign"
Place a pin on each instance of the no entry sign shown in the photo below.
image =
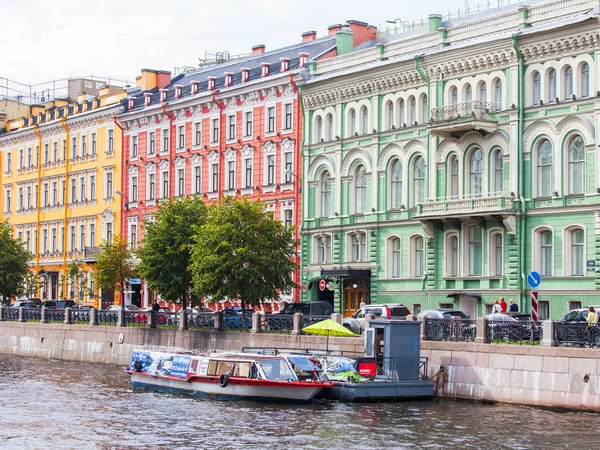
(322, 285)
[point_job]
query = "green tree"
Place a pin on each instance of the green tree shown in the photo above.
(114, 265)
(14, 263)
(242, 252)
(165, 251)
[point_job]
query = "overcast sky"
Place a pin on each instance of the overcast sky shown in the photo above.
(41, 40)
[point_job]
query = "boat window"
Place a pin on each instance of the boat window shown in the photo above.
(277, 369)
(216, 367)
(194, 367)
(302, 363)
(242, 370)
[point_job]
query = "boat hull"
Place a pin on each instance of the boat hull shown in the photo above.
(236, 389)
(380, 390)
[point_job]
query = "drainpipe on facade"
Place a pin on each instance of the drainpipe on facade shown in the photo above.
(63, 123)
(123, 172)
(521, 189)
(297, 194)
(221, 141)
(39, 203)
(172, 143)
(423, 280)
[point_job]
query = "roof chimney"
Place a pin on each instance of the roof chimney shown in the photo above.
(163, 78)
(104, 90)
(258, 49)
(81, 96)
(265, 69)
(309, 36)
(332, 29)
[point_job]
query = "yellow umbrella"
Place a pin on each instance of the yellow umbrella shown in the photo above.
(328, 328)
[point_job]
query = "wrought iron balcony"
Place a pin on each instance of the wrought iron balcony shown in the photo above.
(91, 254)
(457, 119)
(494, 204)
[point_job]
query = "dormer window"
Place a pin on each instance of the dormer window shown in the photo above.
(211, 83)
(194, 87)
(130, 102)
(147, 99)
(265, 69)
(163, 95)
(303, 59)
(284, 64)
(245, 74)
(228, 79)
(177, 91)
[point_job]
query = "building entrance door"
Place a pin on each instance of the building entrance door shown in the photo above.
(468, 305)
(355, 293)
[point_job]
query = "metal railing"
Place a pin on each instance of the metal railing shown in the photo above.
(55, 316)
(463, 112)
(277, 323)
(200, 321)
(309, 320)
(11, 314)
(464, 330)
(135, 319)
(80, 316)
(32, 314)
(239, 322)
(167, 319)
(401, 368)
(520, 332)
(108, 318)
(578, 334)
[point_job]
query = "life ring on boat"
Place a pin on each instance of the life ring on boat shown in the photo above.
(137, 366)
(223, 380)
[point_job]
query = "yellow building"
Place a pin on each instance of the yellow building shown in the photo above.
(60, 169)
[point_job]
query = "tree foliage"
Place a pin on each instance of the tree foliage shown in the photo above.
(114, 265)
(14, 263)
(166, 250)
(242, 252)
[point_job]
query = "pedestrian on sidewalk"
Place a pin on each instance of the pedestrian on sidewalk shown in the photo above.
(496, 308)
(592, 320)
(513, 306)
(503, 305)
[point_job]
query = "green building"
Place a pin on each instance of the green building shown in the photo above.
(443, 164)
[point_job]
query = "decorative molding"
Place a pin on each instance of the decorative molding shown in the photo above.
(269, 147)
(247, 151)
(163, 165)
(213, 157)
(180, 162)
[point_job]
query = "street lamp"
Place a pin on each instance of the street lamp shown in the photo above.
(124, 198)
(289, 172)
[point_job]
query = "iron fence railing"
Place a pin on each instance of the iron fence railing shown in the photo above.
(450, 330)
(463, 112)
(397, 368)
(32, 314)
(108, 318)
(166, 319)
(80, 316)
(520, 332)
(11, 314)
(135, 319)
(309, 320)
(579, 334)
(277, 323)
(200, 321)
(236, 322)
(55, 315)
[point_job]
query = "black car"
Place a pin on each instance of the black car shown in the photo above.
(316, 308)
(58, 304)
(26, 303)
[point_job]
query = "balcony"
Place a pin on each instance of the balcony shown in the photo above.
(465, 206)
(455, 120)
(90, 254)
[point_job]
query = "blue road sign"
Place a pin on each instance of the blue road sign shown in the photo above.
(534, 279)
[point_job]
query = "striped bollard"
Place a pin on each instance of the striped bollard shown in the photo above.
(534, 306)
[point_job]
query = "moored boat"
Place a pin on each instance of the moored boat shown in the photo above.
(229, 376)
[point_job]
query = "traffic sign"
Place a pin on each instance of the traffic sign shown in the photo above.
(322, 285)
(534, 279)
(135, 281)
(534, 305)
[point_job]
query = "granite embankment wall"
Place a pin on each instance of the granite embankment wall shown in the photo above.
(521, 374)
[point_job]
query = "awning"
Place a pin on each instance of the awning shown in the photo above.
(347, 272)
(455, 295)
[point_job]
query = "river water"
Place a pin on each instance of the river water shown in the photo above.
(65, 405)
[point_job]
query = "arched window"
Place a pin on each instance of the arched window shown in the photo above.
(469, 98)
(585, 80)
(475, 250)
(425, 112)
(546, 249)
(358, 247)
(329, 127)
(576, 165)
(577, 239)
(360, 190)
(544, 169)
(319, 128)
(453, 176)
(401, 116)
(390, 115)
(476, 173)
(352, 122)
(394, 249)
(483, 92)
(454, 96)
(452, 256)
(365, 120)
(418, 256)
(413, 110)
(325, 194)
(537, 87)
(551, 85)
(498, 175)
(568, 82)
(323, 249)
(498, 94)
(496, 254)
(396, 185)
(419, 181)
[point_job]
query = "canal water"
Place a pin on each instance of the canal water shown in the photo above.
(65, 405)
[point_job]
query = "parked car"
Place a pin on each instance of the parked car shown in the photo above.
(235, 320)
(58, 304)
(504, 327)
(578, 315)
(26, 303)
(160, 318)
(442, 314)
(442, 326)
(120, 307)
(316, 308)
(572, 329)
(356, 322)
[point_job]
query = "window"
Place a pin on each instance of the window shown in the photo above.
(401, 109)
(180, 182)
(537, 88)
(93, 144)
(54, 151)
(231, 175)
(198, 133)
(360, 190)
(551, 85)
(452, 270)
(165, 136)
(109, 185)
(74, 148)
(81, 236)
(325, 194)
(248, 123)
(577, 239)
(47, 154)
(134, 147)
(358, 247)
(585, 80)
(132, 235)
(109, 232)
(329, 119)
(248, 162)
(419, 181)
(197, 179)
(364, 113)
(453, 193)
(231, 127)
(469, 97)
(543, 310)
(270, 169)
(134, 188)
(319, 134)
(29, 157)
(84, 145)
(288, 116)
(287, 217)
(396, 185)
(576, 165)
(475, 250)
(64, 150)
(544, 169)
(55, 193)
(568, 79)
(164, 186)
(352, 122)
(498, 94)
(151, 186)
(45, 241)
(72, 245)
(390, 115)
(151, 143)
(73, 190)
(21, 160)
(424, 109)
(288, 166)
(271, 119)
(323, 249)
(497, 254)
(214, 138)
(413, 111)
(20, 203)
(214, 167)
(498, 174)
(476, 173)
(53, 240)
(92, 187)
(454, 96)
(394, 247)
(7, 200)
(82, 191)
(546, 250)
(181, 136)
(45, 195)
(419, 256)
